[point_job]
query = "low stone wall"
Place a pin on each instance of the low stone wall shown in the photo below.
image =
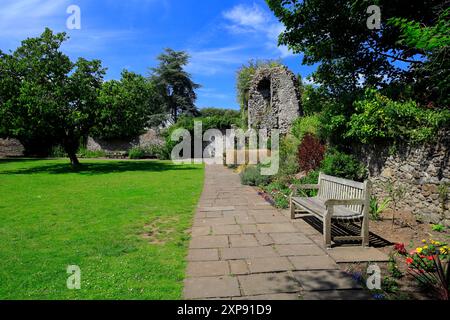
(151, 137)
(11, 148)
(423, 170)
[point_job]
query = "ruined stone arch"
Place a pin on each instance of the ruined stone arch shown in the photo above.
(273, 99)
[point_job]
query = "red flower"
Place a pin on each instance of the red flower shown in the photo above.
(409, 260)
(430, 258)
(400, 248)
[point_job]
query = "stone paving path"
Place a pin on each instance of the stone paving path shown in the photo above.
(243, 248)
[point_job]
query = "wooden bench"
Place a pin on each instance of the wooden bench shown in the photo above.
(337, 200)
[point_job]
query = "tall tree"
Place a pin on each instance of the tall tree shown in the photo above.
(43, 95)
(175, 84)
(334, 33)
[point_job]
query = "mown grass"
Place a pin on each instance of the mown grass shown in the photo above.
(124, 223)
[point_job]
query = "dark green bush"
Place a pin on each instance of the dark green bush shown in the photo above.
(137, 153)
(305, 125)
(342, 165)
(379, 118)
(251, 176)
(88, 154)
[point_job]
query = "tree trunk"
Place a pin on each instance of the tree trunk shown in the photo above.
(73, 159)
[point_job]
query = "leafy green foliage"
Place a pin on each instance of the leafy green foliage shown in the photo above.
(288, 157)
(335, 35)
(128, 106)
(438, 227)
(174, 84)
(45, 96)
(416, 35)
(343, 165)
(251, 176)
(304, 125)
(379, 118)
(377, 208)
(137, 153)
(84, 153)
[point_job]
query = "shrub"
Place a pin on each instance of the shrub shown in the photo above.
(376, 209)
(58, 152)
(137, 153)
(379, 118)
(343, 165)
(310, 153)
(288, 156)
(251, 176)
(305, 125)
(88, 154)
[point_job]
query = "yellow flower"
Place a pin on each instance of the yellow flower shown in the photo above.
(424, 241)
(444, 250)
(425, 247)
(419, 250)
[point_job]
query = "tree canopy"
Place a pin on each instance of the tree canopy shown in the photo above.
(351, 56)
(43, 95)
(176, 88)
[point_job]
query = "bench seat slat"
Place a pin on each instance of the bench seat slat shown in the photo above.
(317, 206)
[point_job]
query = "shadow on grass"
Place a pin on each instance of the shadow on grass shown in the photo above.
(348, 229)
(104, 167)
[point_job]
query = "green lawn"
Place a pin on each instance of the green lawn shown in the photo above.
(124, 223)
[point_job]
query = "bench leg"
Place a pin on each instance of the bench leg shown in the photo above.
(292, 209)
(365, 232)
(327, 230)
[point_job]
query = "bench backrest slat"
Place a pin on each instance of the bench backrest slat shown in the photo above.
(337, 188)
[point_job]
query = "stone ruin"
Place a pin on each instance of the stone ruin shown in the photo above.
(273, 99)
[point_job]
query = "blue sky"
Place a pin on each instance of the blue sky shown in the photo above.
(220, 35)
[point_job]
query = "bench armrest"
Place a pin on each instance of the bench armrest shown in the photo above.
(344, 202)
(304, 187)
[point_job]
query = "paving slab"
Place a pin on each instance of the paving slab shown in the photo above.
(249, 229)
(238, 267)
(208, 269)
(264, 239)
(313, 263)
(357, 254)
(214, 221)
(299, 250)
(201, 231)
(337, 295)
(242, 241)
(203, 255)
(276, 227)
(325, 280)
(211, 287)
(247, 253)
(245, 219)
(270, 218)
(276, 296)
(209, 242)
(226, 229)
(268, 283)
(290, 238)
(212, 209)
(273, 264)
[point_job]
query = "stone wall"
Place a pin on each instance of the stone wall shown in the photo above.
(423, 170)
(11, 148)
(151, 137)
(273, 99)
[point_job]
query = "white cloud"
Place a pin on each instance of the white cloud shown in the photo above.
(254, 19)
(209, 62)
